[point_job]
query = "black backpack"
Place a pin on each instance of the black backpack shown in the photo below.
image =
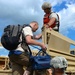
(11, 36)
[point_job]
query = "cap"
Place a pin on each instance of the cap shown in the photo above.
(46, 5)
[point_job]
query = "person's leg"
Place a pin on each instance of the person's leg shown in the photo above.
(28, 70)
(19, 61)
(17, 69)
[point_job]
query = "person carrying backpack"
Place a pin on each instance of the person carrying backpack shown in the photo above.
(51, 19)
(20, 56)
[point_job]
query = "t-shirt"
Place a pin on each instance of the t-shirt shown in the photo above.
(26, 31)
(57, 19)
(54, 15)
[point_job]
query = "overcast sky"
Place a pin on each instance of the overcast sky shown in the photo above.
(25, 11)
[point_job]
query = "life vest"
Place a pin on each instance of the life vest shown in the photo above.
(46, 19)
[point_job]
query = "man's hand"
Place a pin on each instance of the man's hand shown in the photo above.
(43, 46)
(46, 25)
(38, 36)
(49, 71)
(50, 28)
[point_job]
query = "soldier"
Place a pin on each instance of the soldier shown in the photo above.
(59, 65)
(51, 19)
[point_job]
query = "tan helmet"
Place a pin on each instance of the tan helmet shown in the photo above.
(46, 5)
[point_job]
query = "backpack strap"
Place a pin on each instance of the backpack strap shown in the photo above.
(58, 22)
(24, 44)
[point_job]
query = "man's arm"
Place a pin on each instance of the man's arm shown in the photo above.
(31, 41)
(37, 37)
(52, 21)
